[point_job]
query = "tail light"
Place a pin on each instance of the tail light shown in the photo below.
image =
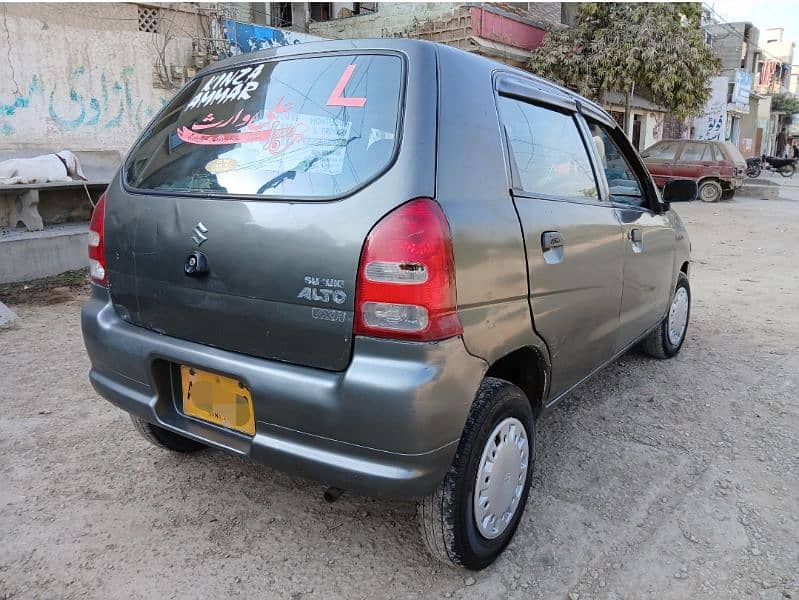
(406, 277)
(97, 243)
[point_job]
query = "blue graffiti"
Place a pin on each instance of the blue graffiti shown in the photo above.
(21, 101)
(108, 108)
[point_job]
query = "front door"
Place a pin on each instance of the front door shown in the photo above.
(575, 248)
(648, 239)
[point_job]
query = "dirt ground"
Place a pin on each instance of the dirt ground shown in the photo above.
(658, 479)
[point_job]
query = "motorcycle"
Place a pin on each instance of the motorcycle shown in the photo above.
(784, 166)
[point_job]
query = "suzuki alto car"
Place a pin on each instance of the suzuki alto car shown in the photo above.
(375, 263)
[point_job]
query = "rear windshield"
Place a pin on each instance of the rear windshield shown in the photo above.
(300, 128)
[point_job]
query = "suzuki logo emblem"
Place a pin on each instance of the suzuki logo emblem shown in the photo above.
(199, 232)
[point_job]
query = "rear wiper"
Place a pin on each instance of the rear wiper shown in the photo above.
(301, 167)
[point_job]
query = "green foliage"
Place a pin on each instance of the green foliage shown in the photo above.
(786, 103)
(656, 48)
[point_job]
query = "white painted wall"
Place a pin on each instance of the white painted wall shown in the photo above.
(79, 77)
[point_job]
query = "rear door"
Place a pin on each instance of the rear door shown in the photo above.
(649, 244)
(696, 160)
(573, 239)
(268, 169)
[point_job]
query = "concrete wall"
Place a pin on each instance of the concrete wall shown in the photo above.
(411, 19)
(31, 255)
(445, 22)
(80, 77)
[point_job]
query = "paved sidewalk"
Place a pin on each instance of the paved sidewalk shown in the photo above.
(771, 186)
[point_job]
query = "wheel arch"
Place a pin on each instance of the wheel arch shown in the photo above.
(527, 368)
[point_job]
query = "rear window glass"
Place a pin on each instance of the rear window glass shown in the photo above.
(301, 128)
(695, 152)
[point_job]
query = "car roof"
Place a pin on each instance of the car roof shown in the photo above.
(401, 44)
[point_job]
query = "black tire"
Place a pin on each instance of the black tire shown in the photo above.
(162, 438)
(787, 170)
(710, 191)
(657, 344)
(753, 171)
(446, 518)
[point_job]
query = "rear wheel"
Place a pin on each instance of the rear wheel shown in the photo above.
(787, 170)
(667, 338)
(710, 191)
(474, 513)
(753, 171)
(158, 436)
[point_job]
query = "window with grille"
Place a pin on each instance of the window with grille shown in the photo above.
(148, 19)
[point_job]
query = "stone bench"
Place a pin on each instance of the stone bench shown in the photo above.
(22, 200)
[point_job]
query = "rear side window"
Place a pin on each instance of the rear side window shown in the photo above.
(662, 151)
(733, 152)
(694, 152)
(301, 128)
(548, 151)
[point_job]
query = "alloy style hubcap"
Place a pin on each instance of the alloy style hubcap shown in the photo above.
(501, 477)
(678, 316)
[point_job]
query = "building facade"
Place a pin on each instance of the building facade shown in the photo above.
(504, 31)
(775, 63)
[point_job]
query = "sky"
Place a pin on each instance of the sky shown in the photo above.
(763, 14)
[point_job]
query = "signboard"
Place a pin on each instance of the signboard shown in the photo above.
(712, 124)
(246, 37)
(741, 91)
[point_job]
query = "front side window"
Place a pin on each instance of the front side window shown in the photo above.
(548, 151)
(300, 128)
(625, 186)
(661, 151)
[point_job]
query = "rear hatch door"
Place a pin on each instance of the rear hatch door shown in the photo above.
(264, 172)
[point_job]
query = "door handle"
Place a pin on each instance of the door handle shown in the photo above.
(551, 240)
(635, 236)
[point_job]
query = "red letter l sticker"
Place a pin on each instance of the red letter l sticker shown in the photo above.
(336, 98)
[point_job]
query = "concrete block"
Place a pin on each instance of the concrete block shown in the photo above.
(26, 255)
(25, 208)
(6, 315)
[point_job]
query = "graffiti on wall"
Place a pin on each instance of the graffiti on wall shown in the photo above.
(246, 37)
(79, 104)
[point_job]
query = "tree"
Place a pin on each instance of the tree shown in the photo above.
(785, 103)
(658, 49)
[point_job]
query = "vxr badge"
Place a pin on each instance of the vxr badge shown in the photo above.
(198, 233)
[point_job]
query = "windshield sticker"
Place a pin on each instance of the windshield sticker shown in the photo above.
(227, 86)
(378, 135)
(221, 165)
(293, 141)
(337, 97)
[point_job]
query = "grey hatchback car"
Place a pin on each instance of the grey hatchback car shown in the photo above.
(375, 263)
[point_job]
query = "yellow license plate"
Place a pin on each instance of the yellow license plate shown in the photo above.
(217, 399)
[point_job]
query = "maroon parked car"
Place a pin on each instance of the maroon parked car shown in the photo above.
(718, 167)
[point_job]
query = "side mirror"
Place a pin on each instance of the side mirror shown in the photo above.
(680, 190)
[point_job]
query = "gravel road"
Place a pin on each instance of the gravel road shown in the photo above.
(658, 479)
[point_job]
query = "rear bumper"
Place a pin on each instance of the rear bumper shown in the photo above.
(389, 425)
